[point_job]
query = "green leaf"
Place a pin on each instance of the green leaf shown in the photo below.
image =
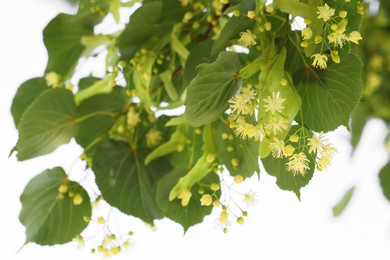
(51, 217)
(278, 166)
(100, 113)
(329, 96)
(209, 92)
(199, 54)
(62, 38)
(384, 178)
(191, 214)
(340, 207)
(230, 147)
(46, 124)
(125, 182)
(293, 7)
(26, 94)
(142, 25)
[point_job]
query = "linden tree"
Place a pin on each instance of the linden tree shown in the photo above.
(252, 85)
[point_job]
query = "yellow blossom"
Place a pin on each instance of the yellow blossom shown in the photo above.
(223, 220)
(79, 240)
(276, 147)
(238, 179)
(251, 14)
(335, 56)
(214, 186)
(325, 12)
(250, 198)
(354, 37)
(298, 164)
(327, 155)
(277, 125)
(288, 150)
(153, 137)
(343, 14)
(307, 33)
(317, 143)
(247, 39)
(77, 199)
(206, 200)
(274, 103)
(53, 79)
(319, 61)
(185, 197)
(294, 138)
(132, 117)
(318, 39)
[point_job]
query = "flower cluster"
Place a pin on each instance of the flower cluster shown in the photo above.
(301, 149)
(334, 35)
(242, 105)
(103, 241)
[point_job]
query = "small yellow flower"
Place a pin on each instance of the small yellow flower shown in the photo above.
(335, 56)
(307, 33)
(101, 220)
(79, 240)
(294, 138)
(185, 197)
(153, 137)
(327, 155)
(277, 125)
(206, 200)
(247, 39)
(77, 199)
(318, 39)
(214, 186)
(63, 188)
(251, 14)
(238, 179)
(288, 150)
(298, 164)
(132, 117)
(317, 143)
(53, 79)
(319, 61)
(343, 14)
(240, 220)
(277, 147)
(274, 103)
(354, 37)
(250, 198)
(325, 12)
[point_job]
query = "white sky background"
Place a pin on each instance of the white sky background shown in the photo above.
(278, 227)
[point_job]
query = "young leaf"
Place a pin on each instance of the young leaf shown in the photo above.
(49, 215)
(100, 113)
(62, 38)
(191, 214)
(209, 92)
(26, 94)
(329, 96)
(125, 182)
(143, 24)
(46, 124)
(384, 178)
(340, 207)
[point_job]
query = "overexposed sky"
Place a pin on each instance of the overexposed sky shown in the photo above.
(278, 227)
